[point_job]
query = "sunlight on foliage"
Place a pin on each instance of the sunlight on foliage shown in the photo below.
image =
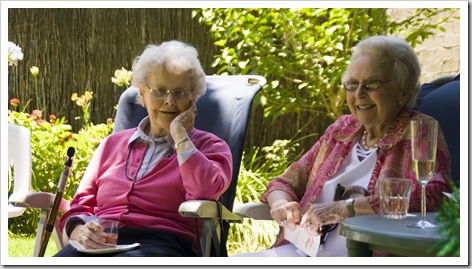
(50, 140)
(258, 167)
(448, 218)
(305, 50)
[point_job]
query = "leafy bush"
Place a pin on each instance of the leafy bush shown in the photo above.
(303, 52)
(257, 168)
(49, 143)
(449, 221)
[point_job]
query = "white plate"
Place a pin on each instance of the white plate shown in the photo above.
(118, 248)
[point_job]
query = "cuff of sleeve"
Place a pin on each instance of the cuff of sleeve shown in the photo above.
(279, 185)
(183, 156)
(76, 220)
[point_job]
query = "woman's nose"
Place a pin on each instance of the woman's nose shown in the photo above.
(169, 99)
(360, 91)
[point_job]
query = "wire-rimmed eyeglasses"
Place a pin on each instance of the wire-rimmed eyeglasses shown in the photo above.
(162, 92)
(372, 85)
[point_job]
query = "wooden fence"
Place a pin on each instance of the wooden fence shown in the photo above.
(79, 49)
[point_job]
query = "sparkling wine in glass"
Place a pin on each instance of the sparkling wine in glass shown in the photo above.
(424, 134)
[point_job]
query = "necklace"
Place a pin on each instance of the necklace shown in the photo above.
(128, 157)
(127, 163)
(364, 143)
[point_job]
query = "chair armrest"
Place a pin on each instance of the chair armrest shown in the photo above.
(206, 209)
(254, 210)
(39, 200)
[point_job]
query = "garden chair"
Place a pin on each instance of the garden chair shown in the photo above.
(224, 110)
(19, 160)
(439, 99)
(19, 154)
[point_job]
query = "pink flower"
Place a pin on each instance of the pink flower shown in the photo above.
(37, 114)
(14, 101)
(39, 121)
(52, 119)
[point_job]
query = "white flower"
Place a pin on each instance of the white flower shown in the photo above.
(34, 70)
(14, 54)
(122, 77)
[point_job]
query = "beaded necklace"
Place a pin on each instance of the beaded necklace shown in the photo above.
(364, 143)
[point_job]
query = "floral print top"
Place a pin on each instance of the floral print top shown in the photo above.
(303, 180)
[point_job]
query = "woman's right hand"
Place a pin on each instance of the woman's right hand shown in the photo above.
(89, 235)
(287, 214)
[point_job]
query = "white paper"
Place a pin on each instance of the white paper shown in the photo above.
(118, 248)
(305, 242)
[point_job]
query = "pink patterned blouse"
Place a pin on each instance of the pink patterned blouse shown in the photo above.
(303, 180)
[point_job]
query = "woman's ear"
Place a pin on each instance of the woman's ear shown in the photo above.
(404, 98)
(141, 98)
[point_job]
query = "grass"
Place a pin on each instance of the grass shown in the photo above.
(23, 246)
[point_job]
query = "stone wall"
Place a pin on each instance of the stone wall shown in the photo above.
(439, 55)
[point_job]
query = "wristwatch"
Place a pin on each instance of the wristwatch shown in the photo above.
(350, 207)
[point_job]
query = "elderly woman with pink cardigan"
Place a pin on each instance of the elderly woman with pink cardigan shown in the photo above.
(140, 176)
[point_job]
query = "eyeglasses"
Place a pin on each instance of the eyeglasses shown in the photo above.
(352, 86)
(160, 92)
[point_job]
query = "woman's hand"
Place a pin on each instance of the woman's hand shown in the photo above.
(287, 214)
(322, 214)
(89, 235)
(184, 122)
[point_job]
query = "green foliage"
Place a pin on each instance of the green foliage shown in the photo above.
(257, 168)
(49, 144)
(303, 52)
(50, 141)
(448, 218)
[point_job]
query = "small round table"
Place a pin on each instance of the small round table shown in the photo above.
(369, 233)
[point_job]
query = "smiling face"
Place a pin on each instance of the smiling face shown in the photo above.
(163, 109)
(375, 109)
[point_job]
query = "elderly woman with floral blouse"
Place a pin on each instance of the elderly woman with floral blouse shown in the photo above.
(358, 149)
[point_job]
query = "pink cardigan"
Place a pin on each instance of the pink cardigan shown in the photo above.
(152, 201)
(303, 180)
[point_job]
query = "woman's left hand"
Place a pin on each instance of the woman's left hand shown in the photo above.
(185, 120)
(322, 214)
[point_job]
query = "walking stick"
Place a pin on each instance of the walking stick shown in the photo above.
(57, 201)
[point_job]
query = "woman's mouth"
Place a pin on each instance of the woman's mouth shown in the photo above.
(169, 113)
(364, 107)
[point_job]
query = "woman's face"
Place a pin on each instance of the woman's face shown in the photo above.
(165, 95)
(374, 108)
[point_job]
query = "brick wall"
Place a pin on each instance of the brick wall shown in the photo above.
(439, 55)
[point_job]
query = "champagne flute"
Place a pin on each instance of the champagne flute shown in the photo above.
(424, 135)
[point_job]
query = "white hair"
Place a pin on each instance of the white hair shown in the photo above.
(174, 57)
(399, 54)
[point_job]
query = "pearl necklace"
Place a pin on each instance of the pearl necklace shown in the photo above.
(364, 143)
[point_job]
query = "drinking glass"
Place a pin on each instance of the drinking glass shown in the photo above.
(424, 135)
